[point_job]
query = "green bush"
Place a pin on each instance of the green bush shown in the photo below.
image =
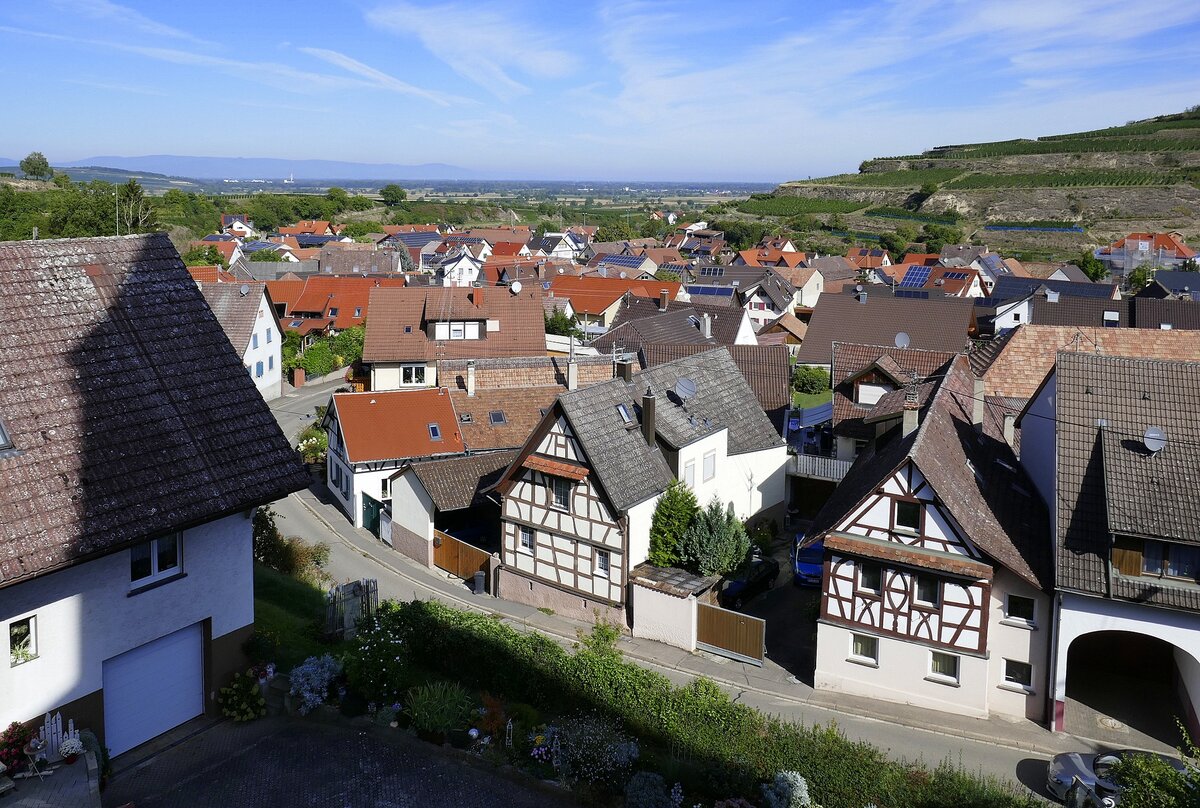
(291, 556)
(378, 665)
(438, 707)
(715, 542)
(808, 379)
(318, 359)
(241, 699)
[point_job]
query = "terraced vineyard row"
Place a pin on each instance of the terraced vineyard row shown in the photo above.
(1130, 130)
(762, 205)
(1077, 179)
(894, 179)
(1073, 145)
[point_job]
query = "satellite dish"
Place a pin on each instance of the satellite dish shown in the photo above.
(515, 288)
(245, 290)
(1155, 439)
(561, 270)
(903, 340)
(685, 389)
(622, 274)
(858, 288)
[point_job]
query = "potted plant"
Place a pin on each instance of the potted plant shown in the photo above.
(70, 749)
(437, 708)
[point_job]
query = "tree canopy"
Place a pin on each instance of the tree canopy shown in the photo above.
(392, 195)
(1092, 266)
(37, 166)
(715, 541)
(673, 514)
(561, 325)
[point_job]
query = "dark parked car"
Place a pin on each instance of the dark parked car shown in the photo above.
(1093, 772)
(753, 578)
(807, 562)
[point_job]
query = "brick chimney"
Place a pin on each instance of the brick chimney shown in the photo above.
(477, 293)
(648, 402)
(625, 370)
(662, 299)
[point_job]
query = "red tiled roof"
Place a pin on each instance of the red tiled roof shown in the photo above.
(1158, 241)
(772, 257)
(921, 259)
(507, 248)
(594, 295)
(348, 295)
(211, 274)
(225, 248)
(867, 257)
(312, 227)
(394, 425)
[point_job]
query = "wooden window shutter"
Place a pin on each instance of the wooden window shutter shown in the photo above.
(1127, 555)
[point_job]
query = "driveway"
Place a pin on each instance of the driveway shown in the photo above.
(295, 762)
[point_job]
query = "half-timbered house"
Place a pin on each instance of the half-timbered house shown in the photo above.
(578, 498)
(935, 584)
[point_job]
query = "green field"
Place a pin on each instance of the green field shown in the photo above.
(909, 215)
(796, 205)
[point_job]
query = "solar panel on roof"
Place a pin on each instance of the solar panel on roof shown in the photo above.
(913, 294)
(916, 277)
(955, 276)
(632, 261)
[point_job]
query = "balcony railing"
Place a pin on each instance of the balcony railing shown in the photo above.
(818, 468)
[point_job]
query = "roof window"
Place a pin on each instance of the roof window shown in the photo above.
(496, 418)
(333, 312)
(465, 418)
(358, 311)
(435, 432)
(626, 415)
(5, 440)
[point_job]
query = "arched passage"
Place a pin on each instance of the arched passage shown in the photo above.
(1126, 688)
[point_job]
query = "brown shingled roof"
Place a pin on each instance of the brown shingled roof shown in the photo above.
(517, 410)
(460, 482)
(118, 388)
(940, 324)
(236, 312)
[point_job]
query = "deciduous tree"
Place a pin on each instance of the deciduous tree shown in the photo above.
(392, 195)
(37, 166)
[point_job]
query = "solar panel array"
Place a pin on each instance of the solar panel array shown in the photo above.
(916, 277)
(955, 276)
(718, 291)
(630, 261)
(913, 294)
(711, 271)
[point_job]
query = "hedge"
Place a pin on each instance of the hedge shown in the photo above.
(733, 747)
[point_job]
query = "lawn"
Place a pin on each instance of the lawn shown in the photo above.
(291, 611)
(806, 400)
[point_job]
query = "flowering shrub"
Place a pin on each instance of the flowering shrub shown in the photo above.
(12, 746)
(647, 790)
(787, 790)
(70, 746)
(595, 750)
(541, 742)
(311, 680)
(377, 667)
(241, 699)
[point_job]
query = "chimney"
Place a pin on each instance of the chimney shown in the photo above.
(1010, 429)
(662, 299)
(911, 410)
(977, 406)
(648, 402)
(572, 375)
(706, 325)
(470, 377)
(478, 294)
(862, 298)
(625, 370)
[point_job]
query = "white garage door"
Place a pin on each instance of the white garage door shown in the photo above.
(153, 688)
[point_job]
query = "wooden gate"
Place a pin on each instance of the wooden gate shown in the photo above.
(730, 634)
(458, 558)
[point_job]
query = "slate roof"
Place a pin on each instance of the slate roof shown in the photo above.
(1080, 311)
(938, 324)
(1011, 287)
(977, 479)
(360, 262)
(236, 312)
(1176, 281)
(521, 332)
(1149, 312)
(851, 359)
(129, 413)
(461, 482)
(630, 471)
(639, 321)
(1107, 481)
(833, 268)
(392, 425)
(1028, 352)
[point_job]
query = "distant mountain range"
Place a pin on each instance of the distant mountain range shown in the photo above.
(246, 168)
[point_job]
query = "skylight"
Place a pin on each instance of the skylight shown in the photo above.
(626, 416)
(496, 418)
(5, 440)
(435, 432)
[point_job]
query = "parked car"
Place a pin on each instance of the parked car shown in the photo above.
(807, 562)
(753, 578)
(1090, 774)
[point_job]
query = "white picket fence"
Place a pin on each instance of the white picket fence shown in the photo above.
(52, 735)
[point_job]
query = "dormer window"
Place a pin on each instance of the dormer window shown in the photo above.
(1112, 319)
(333, 312)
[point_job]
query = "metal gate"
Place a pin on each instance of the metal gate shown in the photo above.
(371, 509)
(456, 557)
(730, 634)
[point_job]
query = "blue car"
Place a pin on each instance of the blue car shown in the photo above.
(808, 562)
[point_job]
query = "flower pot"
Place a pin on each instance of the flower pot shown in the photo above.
(69, 759)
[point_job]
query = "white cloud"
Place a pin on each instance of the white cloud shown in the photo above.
(485, 45)
(377, 77)
(125, 18)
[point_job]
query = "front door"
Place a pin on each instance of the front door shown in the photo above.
(371, 509)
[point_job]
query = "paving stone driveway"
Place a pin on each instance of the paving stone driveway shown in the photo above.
(291, 762)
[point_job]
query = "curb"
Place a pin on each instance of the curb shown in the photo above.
(728, 683)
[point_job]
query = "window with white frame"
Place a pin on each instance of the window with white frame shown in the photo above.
(864, 648)
(689, 474)
(1020, 609)
(526, 538)
(561, 492)
(412, 374)
(22, 640)
(156, 559)
(710, 465)
(943, 667)
(603, 559)
(1018, 674)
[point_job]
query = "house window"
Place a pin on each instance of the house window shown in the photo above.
(358, 311)
(1016, 316)
(22, 640)
(5, 440)
(268, 335)
(710, 465)
(333, 312)
(254, 340)
(870, 394)
(602, 561)
(943, 667)
(457, 331)
(561, 488)
(527, 539)
(258, 370)
(870, 577)
(1171, 560)
(1018, 674)
(412, 374)
(270, 363)
(689, 474)
(864, 648)
(435, 432)
(1021, 609)
(1165, 326)
(928, 590)
(156, 559)
(384, 488)
(626, 416)
(908, 516)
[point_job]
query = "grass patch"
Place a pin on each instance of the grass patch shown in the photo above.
(886, 212)
(292, 612)
(806, 400)
(766, 205)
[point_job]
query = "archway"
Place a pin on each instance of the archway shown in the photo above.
(1126, 689)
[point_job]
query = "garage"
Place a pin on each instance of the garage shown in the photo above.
(153, 688)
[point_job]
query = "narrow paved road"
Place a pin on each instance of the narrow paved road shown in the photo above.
(295, 410)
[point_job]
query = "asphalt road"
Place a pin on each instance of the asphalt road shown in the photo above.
(296, 410)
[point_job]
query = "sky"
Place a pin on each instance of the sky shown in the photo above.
(755, 90)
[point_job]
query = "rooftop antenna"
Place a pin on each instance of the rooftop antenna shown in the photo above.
(903, 340)
(1155, 440)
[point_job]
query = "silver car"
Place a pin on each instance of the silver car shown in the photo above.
(1093, 771)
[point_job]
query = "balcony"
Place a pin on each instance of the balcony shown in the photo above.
(818, 467)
